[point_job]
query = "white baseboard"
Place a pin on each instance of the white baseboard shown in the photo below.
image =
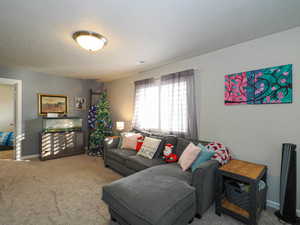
(275, 205)
(30, 156)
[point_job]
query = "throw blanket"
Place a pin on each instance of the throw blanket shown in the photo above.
(7, 138)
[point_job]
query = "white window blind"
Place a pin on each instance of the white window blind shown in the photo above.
(161, 106)
(146, 115)
(173, 107)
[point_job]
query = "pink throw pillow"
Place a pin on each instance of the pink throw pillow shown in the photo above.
(130, 140)
(188, 156)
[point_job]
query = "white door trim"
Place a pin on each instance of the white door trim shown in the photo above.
(19, 136)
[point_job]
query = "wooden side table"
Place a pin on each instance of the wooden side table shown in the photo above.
(248, 173)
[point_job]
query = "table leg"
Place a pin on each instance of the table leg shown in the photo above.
(253, 204)
(264, 178)
(219, 192)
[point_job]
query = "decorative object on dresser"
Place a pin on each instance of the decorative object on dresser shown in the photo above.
(61, 137)
(241, 190)
(52, 104)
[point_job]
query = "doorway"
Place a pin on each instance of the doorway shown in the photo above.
(10, 119)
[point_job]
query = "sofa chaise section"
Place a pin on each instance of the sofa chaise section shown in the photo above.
(146, 198)
(202, 179)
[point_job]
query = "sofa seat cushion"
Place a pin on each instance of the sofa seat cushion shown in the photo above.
(120, 155)
(145, 199)
(138, 163)
(171, 170)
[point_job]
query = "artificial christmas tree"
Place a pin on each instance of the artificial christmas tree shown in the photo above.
(103, 126)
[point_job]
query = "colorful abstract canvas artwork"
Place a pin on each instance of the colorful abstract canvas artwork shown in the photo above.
(264, 86)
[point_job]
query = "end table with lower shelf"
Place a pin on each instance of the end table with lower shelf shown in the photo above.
(247, 173)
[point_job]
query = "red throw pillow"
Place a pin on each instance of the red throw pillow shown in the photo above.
(139, 143)
(222, 154)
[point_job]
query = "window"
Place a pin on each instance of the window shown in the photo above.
(173, 107)
(146, 115)
(162, 105)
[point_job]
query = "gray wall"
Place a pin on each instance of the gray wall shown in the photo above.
(34, 83)
(252, 132)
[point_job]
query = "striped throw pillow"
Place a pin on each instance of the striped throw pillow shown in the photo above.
(7, 138)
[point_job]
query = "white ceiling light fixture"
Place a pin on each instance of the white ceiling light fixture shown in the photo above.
(90, 41)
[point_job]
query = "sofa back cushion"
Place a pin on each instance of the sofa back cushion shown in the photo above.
(142, 132)
(204, 143)
(181, 145)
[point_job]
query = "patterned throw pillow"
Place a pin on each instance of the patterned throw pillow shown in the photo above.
(222, 154)
(2, 138)
(149, 147)
(7, 138)
(10, 140)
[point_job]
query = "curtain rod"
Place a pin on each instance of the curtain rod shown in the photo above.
(159, 76)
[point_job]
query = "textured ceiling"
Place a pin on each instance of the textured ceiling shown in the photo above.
(36, 34)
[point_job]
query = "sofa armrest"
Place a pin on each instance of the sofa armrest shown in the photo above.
(111, 142)
(203, 179)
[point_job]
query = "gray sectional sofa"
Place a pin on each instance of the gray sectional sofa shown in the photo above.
(126, 162)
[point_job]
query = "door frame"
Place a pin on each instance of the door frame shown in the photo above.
(19, 135)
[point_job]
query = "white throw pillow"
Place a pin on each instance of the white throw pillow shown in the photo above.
(129, 140)
(149, 147)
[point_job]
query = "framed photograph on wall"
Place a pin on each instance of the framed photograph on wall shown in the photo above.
(80, 103)
(49, 103)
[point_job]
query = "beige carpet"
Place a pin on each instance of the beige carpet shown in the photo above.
(67, 191)
(64, 191)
